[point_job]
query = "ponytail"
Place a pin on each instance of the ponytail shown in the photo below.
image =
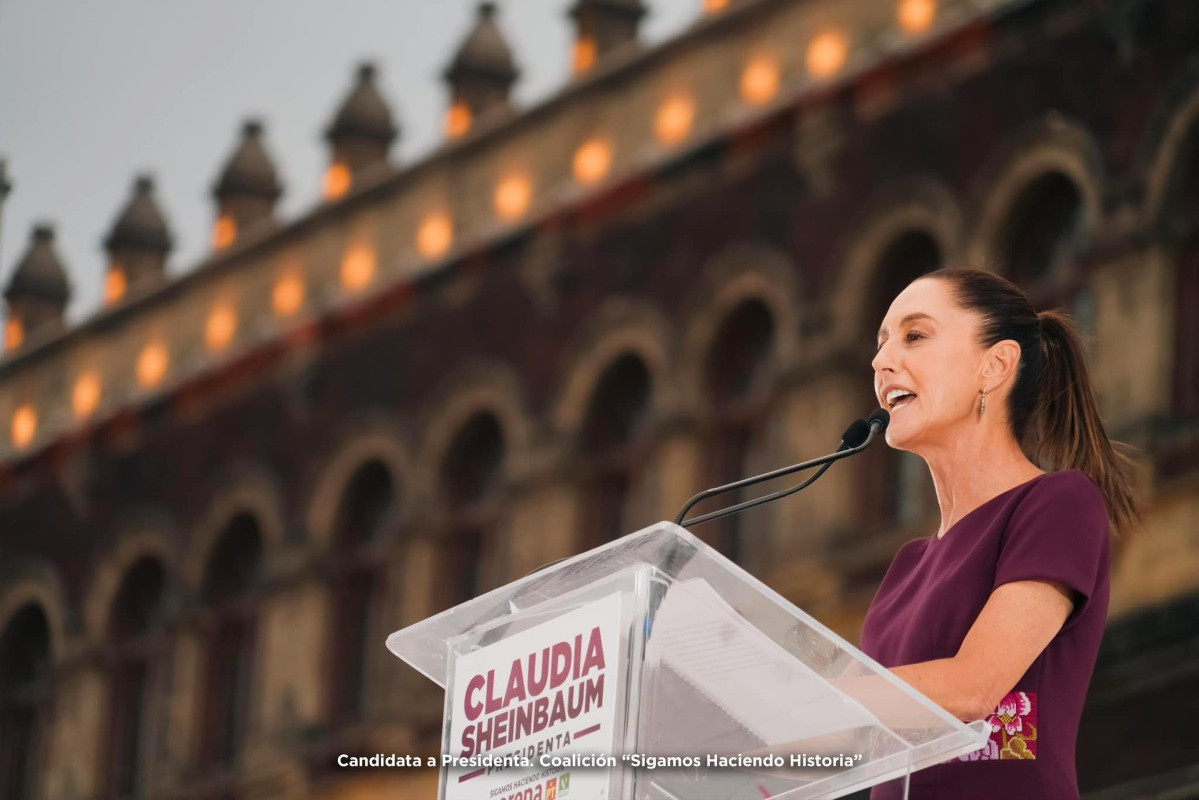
(1051, 409)
(1071, 433)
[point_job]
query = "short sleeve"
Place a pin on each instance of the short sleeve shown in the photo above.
(1058, 532)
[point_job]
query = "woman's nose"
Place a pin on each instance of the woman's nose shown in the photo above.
(882, 358)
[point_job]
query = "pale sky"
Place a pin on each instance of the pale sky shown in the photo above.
(92, 93)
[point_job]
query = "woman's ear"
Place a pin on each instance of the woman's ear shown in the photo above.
(1000, 363)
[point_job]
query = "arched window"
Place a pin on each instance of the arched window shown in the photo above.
(1040, 245)
(470, 476)
(1186, 338)
(228, 592)
(1185, 221)
(900, 487)
(367, 507)
(617, 409)
(1045, 230)
(138, 639)
(25, 684)
(735, 365)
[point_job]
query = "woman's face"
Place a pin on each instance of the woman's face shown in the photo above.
(927, 347)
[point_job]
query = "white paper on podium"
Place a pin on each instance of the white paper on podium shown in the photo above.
(779, 699)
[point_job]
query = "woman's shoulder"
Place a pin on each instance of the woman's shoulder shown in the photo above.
(1063, 498)
(1058, 532)
(1065, 482)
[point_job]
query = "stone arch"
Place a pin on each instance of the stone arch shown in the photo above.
(147, 535)
(26, 698)
(622, 326)
(1171, 205)
(375, 439)
(248, 489)
(907, 206)
(619, 405)
(38, 583)
(731, 278)
(1053, 145)
(1169, 153)
(232, 554)
(477, 388)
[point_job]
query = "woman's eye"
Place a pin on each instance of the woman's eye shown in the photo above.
(914, 335)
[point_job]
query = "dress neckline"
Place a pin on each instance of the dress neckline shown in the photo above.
(985, 503)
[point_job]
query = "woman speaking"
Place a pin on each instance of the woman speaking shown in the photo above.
(999, 615)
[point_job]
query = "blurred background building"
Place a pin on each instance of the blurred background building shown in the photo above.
(221, 491)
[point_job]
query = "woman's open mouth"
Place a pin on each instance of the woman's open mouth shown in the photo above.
(897, 398)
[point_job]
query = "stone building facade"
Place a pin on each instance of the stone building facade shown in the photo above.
(221, 491)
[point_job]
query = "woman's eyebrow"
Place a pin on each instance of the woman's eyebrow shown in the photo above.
(915, 315)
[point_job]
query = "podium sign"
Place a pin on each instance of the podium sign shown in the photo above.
(653, 668)
(549, 690)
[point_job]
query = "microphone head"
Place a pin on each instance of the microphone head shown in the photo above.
(855, 434)
(879, 419)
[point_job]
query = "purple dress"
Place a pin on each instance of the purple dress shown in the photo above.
(1053, 527)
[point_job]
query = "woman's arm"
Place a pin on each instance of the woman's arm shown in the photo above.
(1019, 620)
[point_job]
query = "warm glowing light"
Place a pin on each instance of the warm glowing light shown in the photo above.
(458, 120)
(86, 396)
(915, 16)
(435, 235)
(358, 267)
(592, 161)
(826, 54)
(760, 80)
(14, 334)
(513, 196)
(24, 425)
(114, 284)
(288, 294)
(585, 54)
(712, 6)
(221, 326)
(674, 119)
(152, 364)
(225, 232)
(337, 180)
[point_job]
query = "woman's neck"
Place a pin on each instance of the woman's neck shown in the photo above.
(968, 474)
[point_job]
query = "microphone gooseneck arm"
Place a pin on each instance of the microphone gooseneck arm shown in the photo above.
(877, 423)
(723, 512)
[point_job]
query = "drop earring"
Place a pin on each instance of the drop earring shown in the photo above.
(982, 403)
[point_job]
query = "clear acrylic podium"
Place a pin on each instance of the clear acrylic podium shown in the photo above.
(653, 667)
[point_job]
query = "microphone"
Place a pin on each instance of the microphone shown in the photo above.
(855, 434)
(675, 555)
(857, 437)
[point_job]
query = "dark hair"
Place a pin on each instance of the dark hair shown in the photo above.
(1051, 408)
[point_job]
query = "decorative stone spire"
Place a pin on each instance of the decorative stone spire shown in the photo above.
(247, 189)
(604, 27)
(137, 245)
(5, 188)
(361, 133)
(37, 293)
(481, 75)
